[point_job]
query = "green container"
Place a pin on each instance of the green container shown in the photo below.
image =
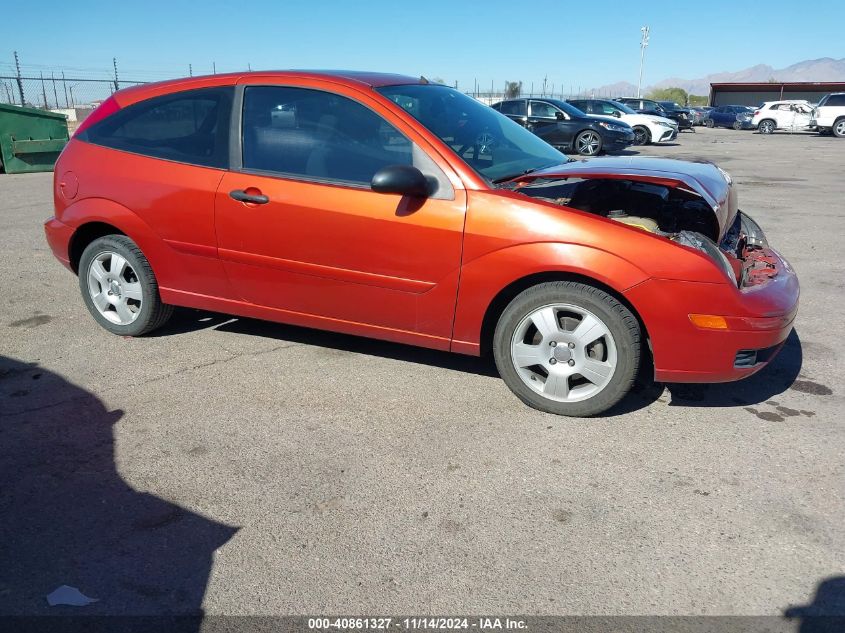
(30, 139)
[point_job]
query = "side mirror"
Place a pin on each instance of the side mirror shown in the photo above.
(560, 116)
(402, 179)
(617, 114)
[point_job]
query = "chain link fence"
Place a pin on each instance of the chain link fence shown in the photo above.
(74, 97)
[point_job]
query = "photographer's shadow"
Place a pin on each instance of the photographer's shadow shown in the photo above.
(68, 518)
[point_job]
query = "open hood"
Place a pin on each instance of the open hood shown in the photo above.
(676, 195)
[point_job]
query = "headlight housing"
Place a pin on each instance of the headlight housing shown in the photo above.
(613, 127)
(754, 235)
(709, 248)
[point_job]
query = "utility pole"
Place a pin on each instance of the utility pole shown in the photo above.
(213, 68)
(64, 85)
(190, 70)
(55, 92)
(44, 91)
(114, 62)
(643, 44)
(20, 81)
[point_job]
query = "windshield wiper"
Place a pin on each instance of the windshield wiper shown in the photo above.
(504, 179)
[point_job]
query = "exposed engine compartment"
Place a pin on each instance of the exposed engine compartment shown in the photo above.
(675, 212)
(651, 207)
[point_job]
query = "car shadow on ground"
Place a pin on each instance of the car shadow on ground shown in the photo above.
(780, 375)
(69, 518)
(186, 320)
(826, 614)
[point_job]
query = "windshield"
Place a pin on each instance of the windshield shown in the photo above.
(623, 107)
(489, 142)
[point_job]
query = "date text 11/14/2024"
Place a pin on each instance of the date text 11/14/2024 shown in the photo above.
(417, 623)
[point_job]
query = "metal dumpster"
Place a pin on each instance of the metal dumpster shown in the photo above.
(30, 139)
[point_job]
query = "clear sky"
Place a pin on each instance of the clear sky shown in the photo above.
(584, 43)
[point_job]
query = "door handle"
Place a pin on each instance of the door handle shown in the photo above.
(255, 198)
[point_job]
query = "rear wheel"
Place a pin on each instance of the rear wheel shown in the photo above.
(737, 125)
(766, 127)
(119, 287)
(588, 143)
(709, 123)
(641, 135)
(567, 348)
(839, 127)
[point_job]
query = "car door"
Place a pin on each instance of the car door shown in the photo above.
(299, 229)
(550, 124)
(719, 115)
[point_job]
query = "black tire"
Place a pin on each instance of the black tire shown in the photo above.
(737, 126)
(839, 127)
(767, 126)
(619, 321)
(709, 123)
(642, 135)
(580, 139)
(152, 313)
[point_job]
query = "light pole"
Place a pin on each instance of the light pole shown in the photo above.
(643, 44)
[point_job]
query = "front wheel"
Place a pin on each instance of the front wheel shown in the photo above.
(641, 135)
(567, 348)
(709, 123)
(119, 287)
(737, 125)
(766, 127)
(588, 143)
(839, 127)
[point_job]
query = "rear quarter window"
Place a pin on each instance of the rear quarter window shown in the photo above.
(187, 127)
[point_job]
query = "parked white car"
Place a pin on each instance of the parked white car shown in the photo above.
(829, 115)
(648, 128)
(790, 114)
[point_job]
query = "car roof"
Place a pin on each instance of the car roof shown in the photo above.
(352, 78)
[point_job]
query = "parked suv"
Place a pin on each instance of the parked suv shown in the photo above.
(829, 115)
(667, 109)
(737, 117)
(567, 128)
(387, 206)
(648, 128)
(791, 114)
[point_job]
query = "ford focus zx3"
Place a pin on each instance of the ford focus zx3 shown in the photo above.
(390, 207)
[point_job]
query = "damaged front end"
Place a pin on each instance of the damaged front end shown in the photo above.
(692, 204)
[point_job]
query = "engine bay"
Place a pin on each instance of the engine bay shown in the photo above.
(676, 213)
(651, 207)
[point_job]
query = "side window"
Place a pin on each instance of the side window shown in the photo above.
(543, 110)
(835, 100)
(188, 127)
(318, 135)
(603, 107)
(513, 108)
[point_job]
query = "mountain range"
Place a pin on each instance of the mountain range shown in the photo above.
(824, 69)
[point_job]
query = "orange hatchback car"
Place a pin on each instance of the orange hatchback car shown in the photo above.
(387, 206)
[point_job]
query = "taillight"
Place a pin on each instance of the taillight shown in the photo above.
(756, 112)
(105, 109)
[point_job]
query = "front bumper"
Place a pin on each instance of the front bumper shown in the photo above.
(759, 318)
(669, 135)
(58, 237)
(617, 141)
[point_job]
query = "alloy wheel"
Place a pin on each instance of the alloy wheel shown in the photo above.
(564, 352)
(588, 143)
(839, 128)
(114, 288)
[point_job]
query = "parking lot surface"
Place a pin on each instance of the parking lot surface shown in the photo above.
(244, 467)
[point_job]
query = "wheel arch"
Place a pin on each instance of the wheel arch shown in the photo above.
(84, 235)
(501, 300)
